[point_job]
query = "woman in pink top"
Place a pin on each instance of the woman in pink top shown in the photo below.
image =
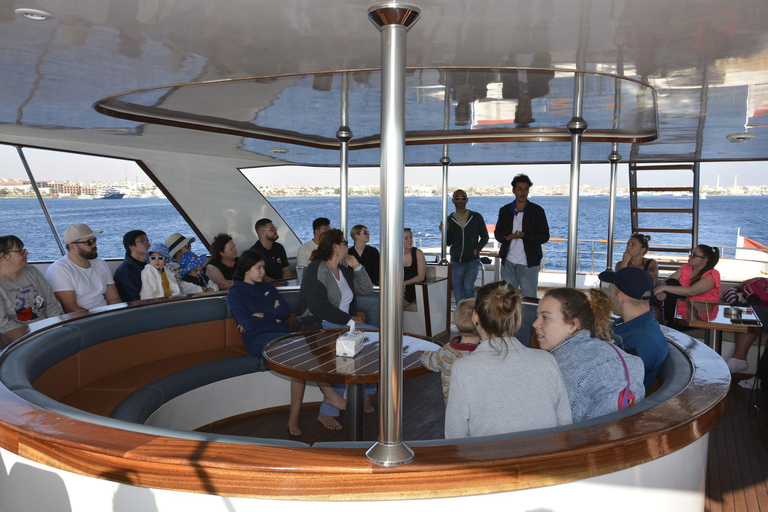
(696, 279)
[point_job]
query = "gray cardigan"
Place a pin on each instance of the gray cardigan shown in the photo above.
(319, 297)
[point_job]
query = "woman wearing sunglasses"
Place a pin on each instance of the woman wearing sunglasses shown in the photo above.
(367, 256)
(696, 280)
(156, 283)
(25, 295)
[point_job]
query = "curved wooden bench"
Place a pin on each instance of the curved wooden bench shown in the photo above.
(42, 429)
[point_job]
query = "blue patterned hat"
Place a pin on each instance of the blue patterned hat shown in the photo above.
(190, 261)
(158, 248)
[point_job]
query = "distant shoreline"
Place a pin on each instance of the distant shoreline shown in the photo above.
(373, 195)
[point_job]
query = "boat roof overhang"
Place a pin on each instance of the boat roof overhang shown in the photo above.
(268, 75)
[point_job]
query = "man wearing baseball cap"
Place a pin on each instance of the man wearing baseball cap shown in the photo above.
(79, 279)
(636, 328)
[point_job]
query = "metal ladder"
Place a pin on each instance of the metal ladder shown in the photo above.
(688, 235)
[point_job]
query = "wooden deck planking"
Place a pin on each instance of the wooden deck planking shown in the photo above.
(737, 473)
(423, 417)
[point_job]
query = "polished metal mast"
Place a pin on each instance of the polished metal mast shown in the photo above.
(393, 21)
(344, 134)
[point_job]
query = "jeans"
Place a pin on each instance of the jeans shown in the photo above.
(523, 277)
(329, 410)
(369, 304)
(463, 277)
(255, 347)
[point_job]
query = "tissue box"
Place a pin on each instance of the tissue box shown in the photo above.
(349, 343)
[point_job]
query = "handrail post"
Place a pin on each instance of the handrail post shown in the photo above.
(344, 134)
(576, 126)
(614, 158)
(445, 161)
(40, 199)
(393, 21)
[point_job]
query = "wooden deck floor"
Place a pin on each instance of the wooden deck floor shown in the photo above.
(737, 472)
(423, 417)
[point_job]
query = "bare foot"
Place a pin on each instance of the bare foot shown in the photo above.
(329, 422)
(293, 427)
(336, 400)
(367, 407)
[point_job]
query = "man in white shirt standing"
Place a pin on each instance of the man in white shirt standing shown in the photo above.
(319, 226)
(522, 228)
(80, 280)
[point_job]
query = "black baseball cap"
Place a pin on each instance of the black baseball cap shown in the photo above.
(632, 281)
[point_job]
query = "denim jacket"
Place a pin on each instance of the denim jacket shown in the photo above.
(594, 375)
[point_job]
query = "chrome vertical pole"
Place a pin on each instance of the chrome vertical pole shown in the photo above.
(344, 134)
(614, 158)
(393, 21)
(576, 127)
(445, 161)
(40, 199)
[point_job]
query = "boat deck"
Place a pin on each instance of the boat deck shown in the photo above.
(737, 471)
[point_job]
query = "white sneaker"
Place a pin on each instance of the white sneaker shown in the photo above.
(750, 383)
(737, 365)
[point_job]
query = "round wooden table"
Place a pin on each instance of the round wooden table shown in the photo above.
(311, 356)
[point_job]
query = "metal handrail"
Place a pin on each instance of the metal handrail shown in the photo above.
(560, 255)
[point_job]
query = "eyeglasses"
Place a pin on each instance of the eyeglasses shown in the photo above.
(20, 251)
(694, 255)
(145, 241)
(366, 232)
(89, 243)
(344, 242)
(155, 258)
(459, 198)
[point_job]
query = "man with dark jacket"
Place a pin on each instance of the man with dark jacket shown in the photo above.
(128, 274)
(467, 235)
(522, 228)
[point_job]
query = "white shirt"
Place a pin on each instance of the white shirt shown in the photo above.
(346, 293)
(89, 284)
(305, 251)
(516, 252)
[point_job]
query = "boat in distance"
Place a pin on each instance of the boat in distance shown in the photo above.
(111, 193)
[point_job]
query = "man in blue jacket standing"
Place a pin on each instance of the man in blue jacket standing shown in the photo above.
(522, 228)
(467, 235)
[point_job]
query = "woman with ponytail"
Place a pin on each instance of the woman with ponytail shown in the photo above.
(503, 386)
(599, 377)
(697, 280)
(634, 256)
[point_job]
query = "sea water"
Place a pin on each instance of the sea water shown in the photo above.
(719, 220)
